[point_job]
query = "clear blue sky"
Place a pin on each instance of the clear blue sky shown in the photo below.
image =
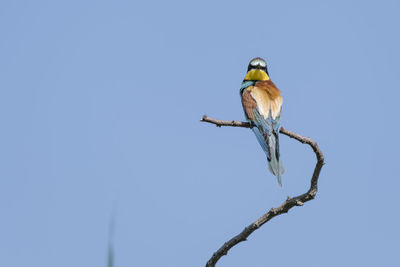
(100, 103)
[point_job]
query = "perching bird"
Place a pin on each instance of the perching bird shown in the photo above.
(262, 104)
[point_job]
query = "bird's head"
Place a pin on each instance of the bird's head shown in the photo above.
(257, 70)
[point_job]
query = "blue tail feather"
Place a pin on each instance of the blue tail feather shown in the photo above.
(267, 133)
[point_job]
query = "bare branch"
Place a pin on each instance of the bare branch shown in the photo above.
(273, 212)
(220, 123)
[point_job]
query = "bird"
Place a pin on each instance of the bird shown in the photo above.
(262, 105)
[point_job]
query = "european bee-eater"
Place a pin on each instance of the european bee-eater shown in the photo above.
(262, 104)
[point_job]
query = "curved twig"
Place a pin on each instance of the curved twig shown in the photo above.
(286, 206)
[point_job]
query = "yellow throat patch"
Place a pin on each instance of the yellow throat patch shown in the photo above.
(256, 75)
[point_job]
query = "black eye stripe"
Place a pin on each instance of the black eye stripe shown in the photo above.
(251, 67)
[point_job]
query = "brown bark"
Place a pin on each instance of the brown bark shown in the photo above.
(285, 206)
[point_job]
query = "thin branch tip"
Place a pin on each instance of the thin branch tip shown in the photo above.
(220, 123)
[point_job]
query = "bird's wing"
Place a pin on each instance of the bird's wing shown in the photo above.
(249, 103)
(262, 104)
